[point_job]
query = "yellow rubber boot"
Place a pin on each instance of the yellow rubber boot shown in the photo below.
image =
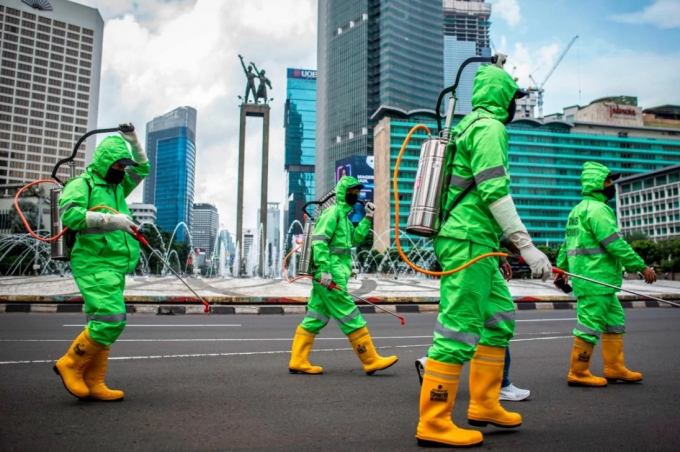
(612, 355)
(364, 349)
(438, 392)
(486, 374)
(299, 360)
(579, 373)
(94, 378)
(71, 366)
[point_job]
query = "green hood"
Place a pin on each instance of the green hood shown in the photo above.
(341, 190)
(592, 179)
(109, 151)
(493, 90)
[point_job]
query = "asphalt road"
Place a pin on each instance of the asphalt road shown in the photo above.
(221, 383)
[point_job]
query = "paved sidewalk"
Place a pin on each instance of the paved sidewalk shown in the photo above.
(252, 291)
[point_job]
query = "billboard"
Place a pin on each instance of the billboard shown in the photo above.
(361, 168)
(307, 74)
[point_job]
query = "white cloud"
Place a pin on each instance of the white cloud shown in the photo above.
(594, 69)
(662, 13)
(508, 10)
(160, 55)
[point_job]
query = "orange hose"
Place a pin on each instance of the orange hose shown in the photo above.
(285, 273)
(28, 227)
(396, 222)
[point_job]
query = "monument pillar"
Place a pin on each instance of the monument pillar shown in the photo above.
(258, 111)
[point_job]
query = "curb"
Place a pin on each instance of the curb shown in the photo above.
(158, 309)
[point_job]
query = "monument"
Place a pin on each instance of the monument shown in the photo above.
(258, 110)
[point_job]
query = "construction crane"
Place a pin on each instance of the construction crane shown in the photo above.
(538, 87)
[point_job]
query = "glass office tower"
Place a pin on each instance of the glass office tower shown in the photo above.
(300, 125)
(171, 147)
(373, 55)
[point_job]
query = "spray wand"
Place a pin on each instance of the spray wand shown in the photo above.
(334, 286)
(141, 239)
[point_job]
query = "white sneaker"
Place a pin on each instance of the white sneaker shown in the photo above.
(420, 367)
(514, 394)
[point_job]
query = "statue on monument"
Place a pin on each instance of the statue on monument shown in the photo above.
(262, 89)
(250, 86)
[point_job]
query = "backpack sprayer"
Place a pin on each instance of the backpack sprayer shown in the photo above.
(423, 219)
(62, 239)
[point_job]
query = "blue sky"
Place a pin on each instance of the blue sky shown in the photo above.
(624, 47)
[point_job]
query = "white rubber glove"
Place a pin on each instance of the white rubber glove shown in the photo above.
(370, 210)
(326, 280)
(108, 222)
(538, 261)
(505, 214)
(138, 154)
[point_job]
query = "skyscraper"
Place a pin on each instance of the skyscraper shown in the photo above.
(466, 34)
(373, 56)
(300, 124)
(49, 86)
(205, 226)
(171, 147)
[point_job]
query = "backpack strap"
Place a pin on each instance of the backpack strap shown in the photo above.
(468, 189)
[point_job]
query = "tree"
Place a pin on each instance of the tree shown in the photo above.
(30, 211)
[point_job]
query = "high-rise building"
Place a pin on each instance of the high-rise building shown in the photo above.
(374, 56)
(49, 86)
(546, 160)
(205, 226)
(300, 124)
(649, 203)
(171, 147)
(466, 35)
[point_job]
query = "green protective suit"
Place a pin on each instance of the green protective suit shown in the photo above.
(332, 239)
(100, 259)
(594, 248)
(476, 306)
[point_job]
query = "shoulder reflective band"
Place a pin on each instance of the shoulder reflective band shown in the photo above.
(465, 338)
(611, 239)
(66, 207)
(490, 173)
(585, 251)
(460, 182)
(323, 238)
(136, 178)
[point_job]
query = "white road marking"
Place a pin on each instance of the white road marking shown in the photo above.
(164, 326)
(274, 339)
(275, 352)
(571, 319)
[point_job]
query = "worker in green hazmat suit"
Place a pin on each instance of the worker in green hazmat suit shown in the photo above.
(104, 252)
(332, 238)
(594, 247)
(476, 314)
